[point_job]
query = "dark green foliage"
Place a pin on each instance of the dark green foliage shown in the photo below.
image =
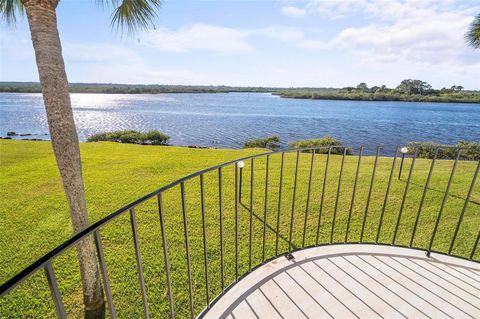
(270, 142)
(409, 90)
(427, 150)
(153, 137)
(133, 15)
(473, 34)
(469, 150)
(414, 87)
(323, 141)
(156, 137)
(34, 87)
(9, 10)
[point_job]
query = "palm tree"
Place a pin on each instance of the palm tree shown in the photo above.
(41, 14)
(473, 34)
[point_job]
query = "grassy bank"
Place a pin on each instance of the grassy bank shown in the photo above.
(35, 217)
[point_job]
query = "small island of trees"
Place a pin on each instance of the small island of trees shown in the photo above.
(408, 90)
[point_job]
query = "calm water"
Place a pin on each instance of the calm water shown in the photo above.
(227, 120)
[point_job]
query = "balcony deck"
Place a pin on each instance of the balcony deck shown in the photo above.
(356, 281)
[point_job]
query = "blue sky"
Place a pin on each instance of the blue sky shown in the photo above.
(268, 43)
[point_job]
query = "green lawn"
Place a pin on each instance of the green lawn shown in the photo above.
(35, 218)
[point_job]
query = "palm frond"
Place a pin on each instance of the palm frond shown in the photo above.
(9, 10)
(132, 15)
(473, 34)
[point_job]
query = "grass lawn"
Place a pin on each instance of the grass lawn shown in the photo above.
(34, 217)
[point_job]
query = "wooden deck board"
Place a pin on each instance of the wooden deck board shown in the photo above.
(356, 281)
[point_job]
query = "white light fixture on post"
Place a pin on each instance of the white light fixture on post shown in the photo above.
(403, 150)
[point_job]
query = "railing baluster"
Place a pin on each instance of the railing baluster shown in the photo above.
(467, 200)
(279, 203)
(370, 192)
(236, 221)
(141, 280)
(187, 248)
(452, 174)
(293, 202)
(103, 268)
(338, 194)
(265, 208)
(220, 209)
(165, 255)
(308, 198)
(425, 189)
(352, 202)
(54, 291)
(402, 205)
(323, 195)
(204, 233)
(474, 248)
(385, 201)
(240, 185)
(251, 218)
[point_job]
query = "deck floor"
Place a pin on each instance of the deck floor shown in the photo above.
(356, 281)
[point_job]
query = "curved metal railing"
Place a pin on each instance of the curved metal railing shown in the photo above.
(296, 199)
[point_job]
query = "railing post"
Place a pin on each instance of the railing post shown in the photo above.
(452, 174)
(103, 268)
(165, 255)
(401, 166)
(240, 186)
(279, 203)
(474, 248)
(293, 203)
(265, 208)
(187, 248)
(352, 202)
(220, 208)
(338, 194)
(236, 221)
(425, 189)
(370, 193)
(323, 195)
(305, 221)
(204, 233)
(251, 218)
(404, 197)
(54, 291)
(380, 222)
(133, 223)
(467, 200)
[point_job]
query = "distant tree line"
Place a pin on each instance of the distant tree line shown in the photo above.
(408, 90)
(110, 88)
(409, 87)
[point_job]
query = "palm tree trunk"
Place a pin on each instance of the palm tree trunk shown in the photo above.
(53, 79)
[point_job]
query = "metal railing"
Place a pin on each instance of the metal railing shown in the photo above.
(327, 198)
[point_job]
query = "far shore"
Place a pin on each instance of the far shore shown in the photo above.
(377, 94)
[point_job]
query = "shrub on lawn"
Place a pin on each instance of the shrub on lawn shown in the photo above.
(153, 137)
(319, 142)
(271, 142)
(156, 137)
(470, 150)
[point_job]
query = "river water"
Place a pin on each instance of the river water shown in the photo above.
(227, 120)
